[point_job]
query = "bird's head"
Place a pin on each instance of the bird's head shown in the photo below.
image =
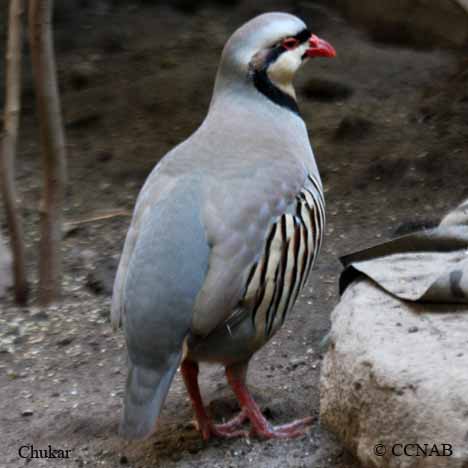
(268, 50)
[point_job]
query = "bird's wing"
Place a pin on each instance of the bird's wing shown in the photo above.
(162, 270)
(292, 246)
(239, 220)
(166, 224)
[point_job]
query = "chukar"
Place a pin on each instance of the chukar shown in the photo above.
(224, 234)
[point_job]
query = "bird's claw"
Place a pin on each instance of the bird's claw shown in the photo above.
(217, 430)
(235, 422)
(227, 430)
(231, 429)
(285, 431)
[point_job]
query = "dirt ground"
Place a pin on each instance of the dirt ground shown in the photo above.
(388, 125)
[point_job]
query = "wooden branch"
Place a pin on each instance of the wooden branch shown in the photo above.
(8, 148)
(53, 148)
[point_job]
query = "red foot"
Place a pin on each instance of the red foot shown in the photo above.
(235, 422)
(285, 431)
(210, 430)
(250, 411)
(227, 430)
(260, 426)
(205, 425)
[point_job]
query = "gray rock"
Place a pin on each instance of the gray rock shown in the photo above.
(457, 216)
(383, 385)
(408, 227)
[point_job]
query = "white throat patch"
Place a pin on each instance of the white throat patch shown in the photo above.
(281, 72)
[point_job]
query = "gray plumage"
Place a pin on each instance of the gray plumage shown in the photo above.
(165, 270)
(215, 254)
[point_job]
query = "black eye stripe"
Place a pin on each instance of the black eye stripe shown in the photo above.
(303, 36)
(275, 52)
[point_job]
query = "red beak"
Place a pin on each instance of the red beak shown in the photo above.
(319, 48)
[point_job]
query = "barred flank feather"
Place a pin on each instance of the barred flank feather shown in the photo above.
(291, 248)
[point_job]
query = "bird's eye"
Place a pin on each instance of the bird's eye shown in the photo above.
(290, 43)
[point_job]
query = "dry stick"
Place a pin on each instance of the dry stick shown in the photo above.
(8, 148)
(53, 148)
(101, 217)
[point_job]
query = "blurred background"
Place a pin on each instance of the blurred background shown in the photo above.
(388, 123)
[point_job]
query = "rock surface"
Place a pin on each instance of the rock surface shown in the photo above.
(396, 373)
(457, 216)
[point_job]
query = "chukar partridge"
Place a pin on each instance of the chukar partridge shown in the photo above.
(224, 234)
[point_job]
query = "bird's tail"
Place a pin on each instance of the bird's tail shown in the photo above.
(147, 389)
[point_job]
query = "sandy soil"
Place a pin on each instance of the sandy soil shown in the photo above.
(388, 128)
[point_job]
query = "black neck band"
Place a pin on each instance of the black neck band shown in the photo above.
(263, 84)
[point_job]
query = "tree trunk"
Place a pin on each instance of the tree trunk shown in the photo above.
(8, 148)
(53, 148)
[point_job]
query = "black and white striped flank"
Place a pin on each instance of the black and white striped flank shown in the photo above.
(291, 249)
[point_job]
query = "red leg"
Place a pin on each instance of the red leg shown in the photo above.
(189, 370)
(260, 425)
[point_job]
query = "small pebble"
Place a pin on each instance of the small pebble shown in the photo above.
(40, 316)
(296, 362)
(65, 341)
